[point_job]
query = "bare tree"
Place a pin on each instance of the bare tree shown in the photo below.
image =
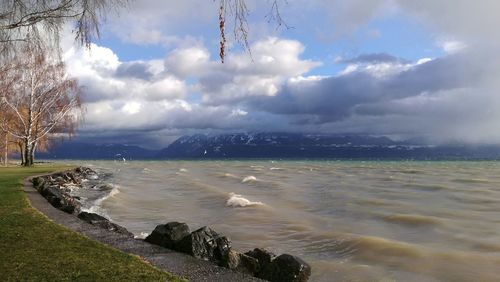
(42, 101)
(41, 21)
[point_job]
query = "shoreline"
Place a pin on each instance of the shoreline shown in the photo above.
(171, 261)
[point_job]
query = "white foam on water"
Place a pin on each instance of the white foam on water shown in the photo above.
(276, 168)
(115, 191)
(97, 210)
(249, 178)
(236, 200)
(183, 170)
(96, 207)
(143, 235)
(92, 176)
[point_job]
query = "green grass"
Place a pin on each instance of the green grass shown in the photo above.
(33, 248)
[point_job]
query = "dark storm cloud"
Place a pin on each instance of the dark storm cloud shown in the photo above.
(375, 58)
(335, 98)
(139, 70)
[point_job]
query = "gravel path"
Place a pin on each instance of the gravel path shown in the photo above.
(165, 259)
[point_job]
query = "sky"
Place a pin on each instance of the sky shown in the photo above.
(404, 69)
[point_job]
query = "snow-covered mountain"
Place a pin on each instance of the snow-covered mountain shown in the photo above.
(285, 145)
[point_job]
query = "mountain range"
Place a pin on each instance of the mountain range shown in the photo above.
(275, 145)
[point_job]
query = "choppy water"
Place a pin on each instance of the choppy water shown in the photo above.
(352, 221)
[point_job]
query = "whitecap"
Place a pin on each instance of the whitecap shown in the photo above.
(249, 178)
(92, 176)
(236, 200)
(143, 235)
(115, 191)
(276, 168)
(97, 210)
(183, 170)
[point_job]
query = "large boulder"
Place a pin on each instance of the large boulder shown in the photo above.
(202, 244)
(58, 200)
(264, 258)
(39, 182)
(222, 249)
(103, 222)
(168, 235)
(241, 263)
(286, 268)
(53, 195)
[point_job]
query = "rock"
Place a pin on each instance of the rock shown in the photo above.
(73, 177)
(222, 249)
(53, 195)
(200, 244)
(248, 264)
(264, 257)
(241, 263)
(168, 235)
(39, 182)
(233, 260)
(91, 217)
(68, 208)
(286, 268)
(103, 222)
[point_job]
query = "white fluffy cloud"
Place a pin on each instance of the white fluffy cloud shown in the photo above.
(187, 90)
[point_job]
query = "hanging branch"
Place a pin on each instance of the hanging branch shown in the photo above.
(222, 22)
(240, 12)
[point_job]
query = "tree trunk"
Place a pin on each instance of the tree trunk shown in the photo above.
(21, 151)
(5, 159)
(28, 153)
(32, 154)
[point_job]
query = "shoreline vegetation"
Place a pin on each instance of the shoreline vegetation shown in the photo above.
(34, 248)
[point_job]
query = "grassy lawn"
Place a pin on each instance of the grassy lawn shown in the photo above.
(33, 248)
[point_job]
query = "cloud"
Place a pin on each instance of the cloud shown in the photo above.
(443, 99)
(272, 61)
(186, 91)
(452, 46)
(448, 98)
(374, 58)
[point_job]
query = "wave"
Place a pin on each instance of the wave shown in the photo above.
(276, 168)
(113, 192)
(226, 175)
(249, 178)
(96, 205)
(427, 187)
(182, 170)
(368, 246)
(236, 200)
(413, 220)
(472, 180)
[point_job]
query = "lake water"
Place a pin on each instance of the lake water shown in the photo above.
(352, 221)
